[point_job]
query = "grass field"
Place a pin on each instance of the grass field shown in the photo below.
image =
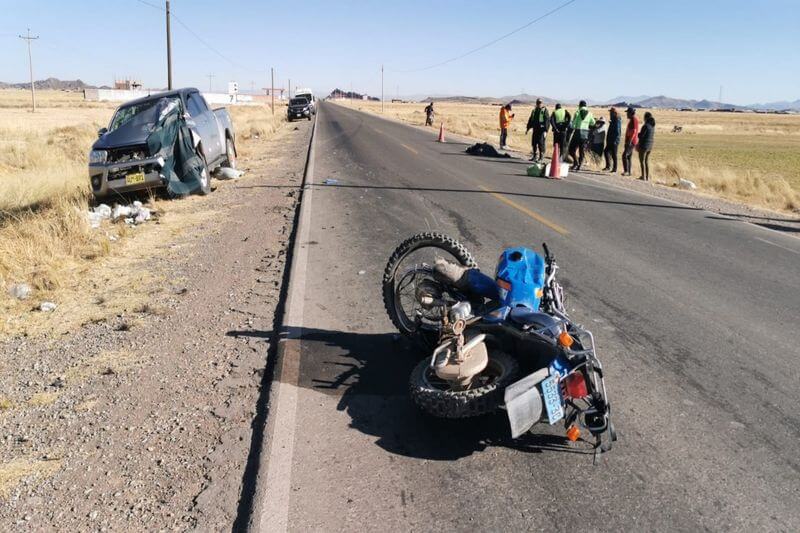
(45, 240)
(747, 157)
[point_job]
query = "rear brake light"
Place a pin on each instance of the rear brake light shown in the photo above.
(575, 386)
(503, 284)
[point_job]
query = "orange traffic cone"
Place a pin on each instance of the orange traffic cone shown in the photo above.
(441, 133)
(555, 164)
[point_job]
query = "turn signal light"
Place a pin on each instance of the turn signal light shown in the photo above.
(565, 339)
(575, 386)
(573, 433)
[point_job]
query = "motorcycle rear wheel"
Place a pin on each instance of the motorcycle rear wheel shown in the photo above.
(435, 397)
(425, 332)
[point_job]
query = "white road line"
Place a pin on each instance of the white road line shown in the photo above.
(778, 245)
(271, 513)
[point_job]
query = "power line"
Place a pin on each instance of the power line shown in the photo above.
(196, 36)
(490, 43)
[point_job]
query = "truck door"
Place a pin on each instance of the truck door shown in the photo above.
(206, 125)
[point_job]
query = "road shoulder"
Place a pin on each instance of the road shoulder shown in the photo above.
(144, 421)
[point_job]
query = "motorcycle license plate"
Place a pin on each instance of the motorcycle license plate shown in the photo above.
(551, 392)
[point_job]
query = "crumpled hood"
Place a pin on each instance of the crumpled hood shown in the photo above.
(126, 135)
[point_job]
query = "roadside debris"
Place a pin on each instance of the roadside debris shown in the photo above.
(330, 181)
(47, 307)
(20, 291)
(485, 150)
(227, 173)
(134, 213)
(686, 184)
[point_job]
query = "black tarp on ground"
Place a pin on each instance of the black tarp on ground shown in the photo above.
(171, 139)
(484, 149)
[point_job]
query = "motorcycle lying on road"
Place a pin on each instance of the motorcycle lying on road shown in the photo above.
(484, 331)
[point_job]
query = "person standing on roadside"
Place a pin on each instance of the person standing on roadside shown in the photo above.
(581, 123)
(645, 145)
(539, 122)
(429, 113)
(631, 138)
(612, 140)
(559, 121)
(506, 116)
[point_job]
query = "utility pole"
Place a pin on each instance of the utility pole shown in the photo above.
(272, 87)
(210, 77)
(290, 88)
(169, 53)
(30, 66)
(381, 88)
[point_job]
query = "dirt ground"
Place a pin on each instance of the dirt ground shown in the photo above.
(143, 421)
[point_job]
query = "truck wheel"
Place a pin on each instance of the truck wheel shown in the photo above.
(230, 154)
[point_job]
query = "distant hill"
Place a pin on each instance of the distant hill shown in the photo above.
(50, 84)
(338, 93)
(782, 105)
(525, 98)
(464, 99)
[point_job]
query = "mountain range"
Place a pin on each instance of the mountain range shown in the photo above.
(50, 84)
(652, 102)
(656, 102)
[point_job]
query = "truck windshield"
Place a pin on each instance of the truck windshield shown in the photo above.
(142, 114)
(298, 101)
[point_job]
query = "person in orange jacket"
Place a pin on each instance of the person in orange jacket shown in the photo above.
(506, 116)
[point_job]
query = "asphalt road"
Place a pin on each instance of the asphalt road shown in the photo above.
(696, 320)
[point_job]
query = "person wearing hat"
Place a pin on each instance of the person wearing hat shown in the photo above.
(539, 122)
(631, 138)
(559, 121)
(581, 124)
(612, 140)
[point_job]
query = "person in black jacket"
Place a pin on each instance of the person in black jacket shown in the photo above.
(612, 140)
(539, 122)
(560, 121)
(645, 145)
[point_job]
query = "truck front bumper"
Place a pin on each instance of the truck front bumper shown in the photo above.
(113, 178)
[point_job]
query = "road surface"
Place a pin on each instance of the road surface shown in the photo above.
(696, 320)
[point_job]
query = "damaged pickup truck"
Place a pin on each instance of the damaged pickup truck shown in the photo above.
(171, 139)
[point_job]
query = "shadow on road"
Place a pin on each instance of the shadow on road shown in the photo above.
(782, 225)
(369, 374)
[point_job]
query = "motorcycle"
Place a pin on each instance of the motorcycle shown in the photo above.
(483, 332)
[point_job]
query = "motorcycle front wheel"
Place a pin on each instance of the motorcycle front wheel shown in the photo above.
(409, 272)
(437, 398)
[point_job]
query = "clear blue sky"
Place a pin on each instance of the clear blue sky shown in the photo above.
(592, 48)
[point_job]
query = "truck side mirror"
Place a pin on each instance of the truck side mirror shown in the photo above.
(102, 131)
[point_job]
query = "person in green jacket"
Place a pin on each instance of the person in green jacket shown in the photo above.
(539, 122)
(581, 122)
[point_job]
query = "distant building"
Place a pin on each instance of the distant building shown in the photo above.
(127, 84)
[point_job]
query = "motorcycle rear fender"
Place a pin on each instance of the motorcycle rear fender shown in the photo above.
(523, 402)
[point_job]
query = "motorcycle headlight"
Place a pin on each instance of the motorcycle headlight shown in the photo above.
(97, 156)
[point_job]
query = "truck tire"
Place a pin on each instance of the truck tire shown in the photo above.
(230, 153)
(433, 399)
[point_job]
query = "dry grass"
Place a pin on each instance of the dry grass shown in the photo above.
(45, 239)
(41, 399)
(751, 158)
(13, 472)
